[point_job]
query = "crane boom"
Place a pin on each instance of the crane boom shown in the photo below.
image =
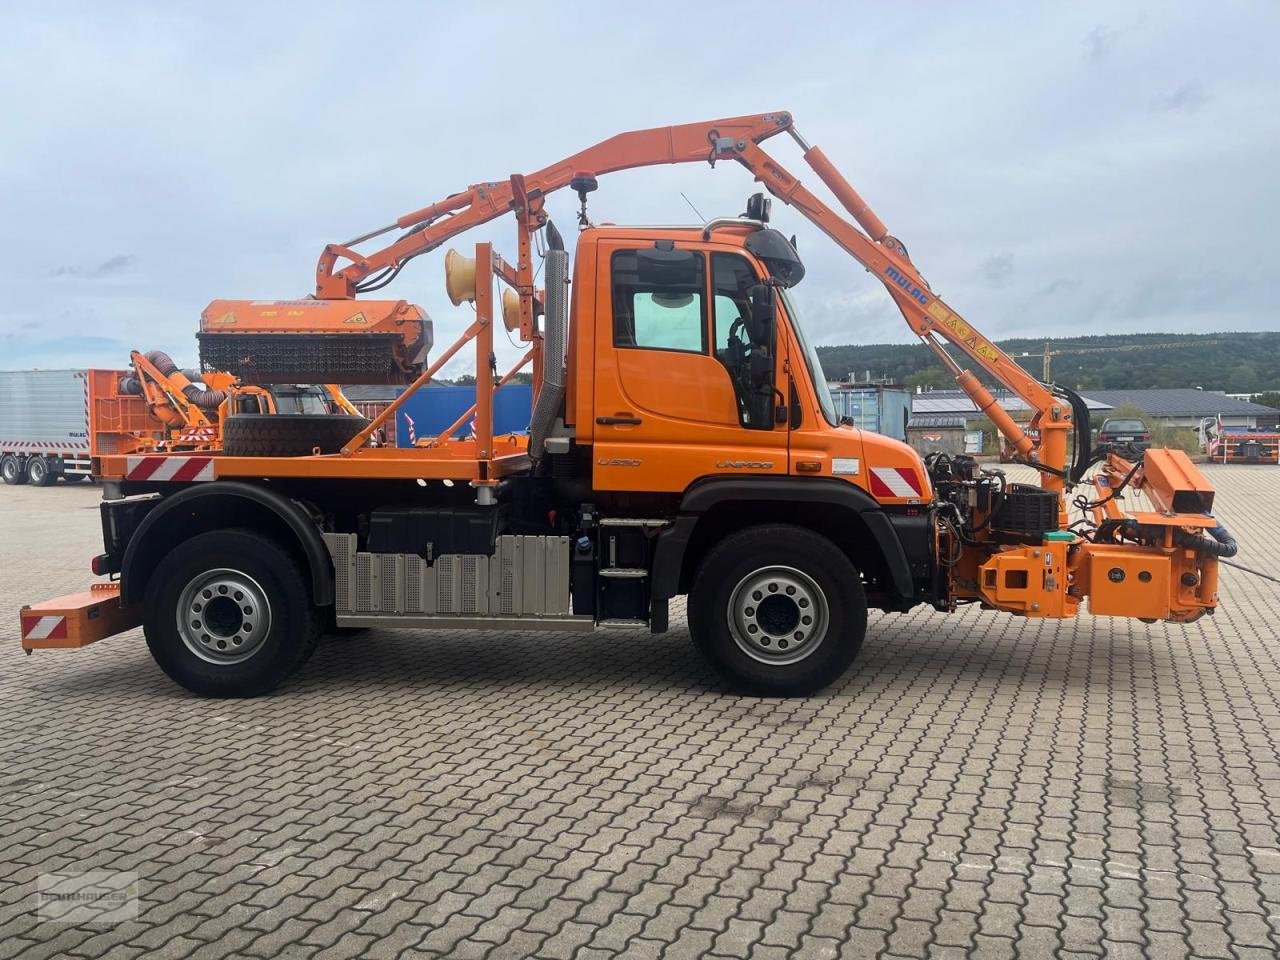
(737, 139)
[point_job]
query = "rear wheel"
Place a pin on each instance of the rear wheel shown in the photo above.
(779, 610)
(229, 614)
(287, 434)
(12, 470)
(39, 473)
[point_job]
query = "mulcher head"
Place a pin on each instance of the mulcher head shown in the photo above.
(315, 341)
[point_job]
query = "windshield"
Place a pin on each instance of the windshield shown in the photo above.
(299, 398)
(811, 361)
(1125, 426)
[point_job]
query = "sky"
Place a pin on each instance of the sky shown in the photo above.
(1053, 169)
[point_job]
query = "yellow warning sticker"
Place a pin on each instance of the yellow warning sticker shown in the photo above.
(357, 318)
(938, 310)
(225, 319)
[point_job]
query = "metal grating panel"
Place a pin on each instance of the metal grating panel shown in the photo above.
(413, 567)
(447, 599)
(556, 598)
(528, 576)
(342, 548)
(390, 567)
(364, 593)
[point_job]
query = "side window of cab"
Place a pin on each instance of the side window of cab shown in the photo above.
(732, 278)
(659, 300)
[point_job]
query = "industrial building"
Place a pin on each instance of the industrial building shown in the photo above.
(1187, 406)
(1176, 407)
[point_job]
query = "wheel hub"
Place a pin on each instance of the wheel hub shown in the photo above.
(223, 616)
(778, 615)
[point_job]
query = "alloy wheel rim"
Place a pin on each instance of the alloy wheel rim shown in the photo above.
(778, 615)
(224, 616)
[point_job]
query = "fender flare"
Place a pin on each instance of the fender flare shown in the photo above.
(319, 563)
(702, 495)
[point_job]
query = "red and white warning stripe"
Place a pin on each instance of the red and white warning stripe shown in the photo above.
(177, 469)
(894, 482)
(198, 435)
(35, 627)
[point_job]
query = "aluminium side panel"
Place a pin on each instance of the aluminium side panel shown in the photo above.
(44, 411)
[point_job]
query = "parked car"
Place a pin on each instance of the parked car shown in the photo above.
(1124, 432)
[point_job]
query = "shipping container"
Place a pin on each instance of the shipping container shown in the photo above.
(876, 407)
(436, 407)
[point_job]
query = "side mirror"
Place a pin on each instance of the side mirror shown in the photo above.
(760, 325)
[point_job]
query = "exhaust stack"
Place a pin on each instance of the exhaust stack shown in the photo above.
(551, 396)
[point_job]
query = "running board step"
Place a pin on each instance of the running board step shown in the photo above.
(626, 573)
(624, 623)
(574, 624)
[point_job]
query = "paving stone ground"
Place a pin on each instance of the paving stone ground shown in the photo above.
(978, 786)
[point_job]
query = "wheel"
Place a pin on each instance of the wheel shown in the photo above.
(229, 614)
(287, 434)
(778, 610)
(12, 470)
(39, 473)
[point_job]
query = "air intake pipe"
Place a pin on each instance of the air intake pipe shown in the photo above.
(556, 319)
(205, 399)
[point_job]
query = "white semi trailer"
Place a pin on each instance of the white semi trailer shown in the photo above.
(44, 426)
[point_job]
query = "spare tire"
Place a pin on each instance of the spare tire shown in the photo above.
(287, 434)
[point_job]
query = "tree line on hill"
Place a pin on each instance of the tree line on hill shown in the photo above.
(1231, 362)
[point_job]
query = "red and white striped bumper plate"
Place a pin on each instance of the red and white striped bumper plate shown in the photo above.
(894, 482)
(176, 469)
(43, 628)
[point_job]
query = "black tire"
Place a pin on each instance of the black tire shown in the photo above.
(225, 585)
(287, 434)
(40, 472)
(12, 470)
(759, 590)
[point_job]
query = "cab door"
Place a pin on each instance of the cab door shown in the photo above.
(672, 359)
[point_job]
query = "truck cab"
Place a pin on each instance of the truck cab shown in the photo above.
(689, 367)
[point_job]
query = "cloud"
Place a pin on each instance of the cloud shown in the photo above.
(1184, 98)
(1034, 159)
(107, 268)
(113, 265)
(997, 269)
(1098, 43)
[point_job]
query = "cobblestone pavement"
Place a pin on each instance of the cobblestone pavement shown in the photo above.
(978, 786)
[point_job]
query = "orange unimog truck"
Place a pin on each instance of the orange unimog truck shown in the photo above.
(683, 442)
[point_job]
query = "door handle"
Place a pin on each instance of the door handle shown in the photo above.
(621, 420)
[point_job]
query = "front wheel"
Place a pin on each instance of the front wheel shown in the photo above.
(779, 610)
(229, 614)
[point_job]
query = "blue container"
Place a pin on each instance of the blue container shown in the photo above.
(879, 409)
(433, 407)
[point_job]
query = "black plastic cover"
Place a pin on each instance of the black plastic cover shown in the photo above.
(432, 531)
(777, 254)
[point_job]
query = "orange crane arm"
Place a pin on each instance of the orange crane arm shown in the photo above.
(738, 139)
(164, 394)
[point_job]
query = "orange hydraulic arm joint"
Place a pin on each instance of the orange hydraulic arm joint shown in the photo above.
(738, 139)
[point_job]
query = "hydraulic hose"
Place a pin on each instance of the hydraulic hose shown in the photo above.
(205, 399)
(1220, 543)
